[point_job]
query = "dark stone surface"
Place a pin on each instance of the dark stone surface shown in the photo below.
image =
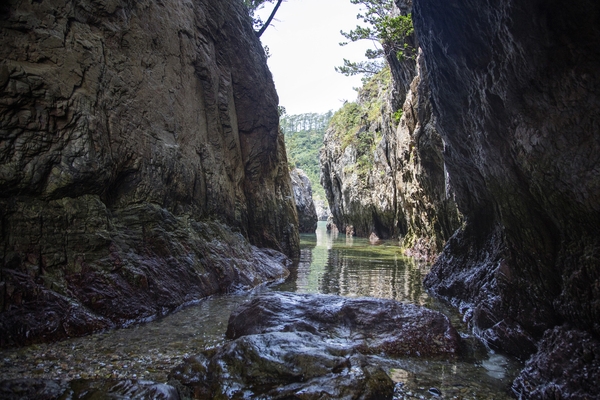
(371, 326)
(566, 366)
(305, 206)
(43, 389)
(282, 365)
(140, 162)
(515, 88)
(287, 345)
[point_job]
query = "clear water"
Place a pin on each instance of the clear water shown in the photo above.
(330, 263)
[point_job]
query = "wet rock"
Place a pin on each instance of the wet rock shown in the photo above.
(141, 164)
(121, 389)
(368, 325)
(41, 389)
(566, 366)
(45, 389)
(307, 213)
(517, 106)
(282, 365)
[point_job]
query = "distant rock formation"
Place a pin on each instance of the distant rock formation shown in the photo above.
(141, 165)
(307, 213)
(516, 93)
(388, 178)
(322, 210)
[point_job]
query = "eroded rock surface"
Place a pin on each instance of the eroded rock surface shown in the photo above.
(141, 164)
(305, 206)
(371, 326)
(281, 365)
(515, 88)
(566, 365)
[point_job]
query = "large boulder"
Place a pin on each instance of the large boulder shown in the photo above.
(287, 345)
(141, 164)
(369, 325)
(282, 365)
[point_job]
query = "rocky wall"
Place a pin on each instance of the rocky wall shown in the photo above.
(515, 89)
(141, 165)
(305, 206)
(403, 191)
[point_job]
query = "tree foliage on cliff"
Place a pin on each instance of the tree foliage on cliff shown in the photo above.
(391, 32)
(304, 135)
(356, 123)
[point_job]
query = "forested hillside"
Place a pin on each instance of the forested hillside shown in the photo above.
(303, 139)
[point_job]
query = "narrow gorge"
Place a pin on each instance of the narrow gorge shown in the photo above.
(492, 171)
(143, 169)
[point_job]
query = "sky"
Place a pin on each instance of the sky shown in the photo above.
(303, 41)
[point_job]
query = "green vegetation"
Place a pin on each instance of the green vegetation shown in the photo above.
(357, 124)
(393, 33)
(303, 140)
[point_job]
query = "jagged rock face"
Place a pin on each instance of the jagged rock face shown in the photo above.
(404, 192)
(307, 213)
(515, 86)
(426, 200)
(124, 125)
(361, 198)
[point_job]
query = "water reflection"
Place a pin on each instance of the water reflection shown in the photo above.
(336, 264)
(329, 263)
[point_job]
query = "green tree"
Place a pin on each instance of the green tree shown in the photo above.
(304, 135)
(392, 33)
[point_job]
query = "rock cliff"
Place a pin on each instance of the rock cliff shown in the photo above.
(305, 206)
(141, 165)
(382, 164)
(515, 88)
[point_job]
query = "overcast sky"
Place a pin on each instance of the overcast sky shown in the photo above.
(304, 45)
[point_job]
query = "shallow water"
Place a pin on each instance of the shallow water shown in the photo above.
(329, 263)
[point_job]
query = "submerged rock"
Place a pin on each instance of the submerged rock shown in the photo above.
(141, 164)
(305, 206)
(368, 325)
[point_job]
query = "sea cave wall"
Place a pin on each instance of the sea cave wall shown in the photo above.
(515, 90)
(141, 164)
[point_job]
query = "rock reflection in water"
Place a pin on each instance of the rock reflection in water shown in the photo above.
(353, 267)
